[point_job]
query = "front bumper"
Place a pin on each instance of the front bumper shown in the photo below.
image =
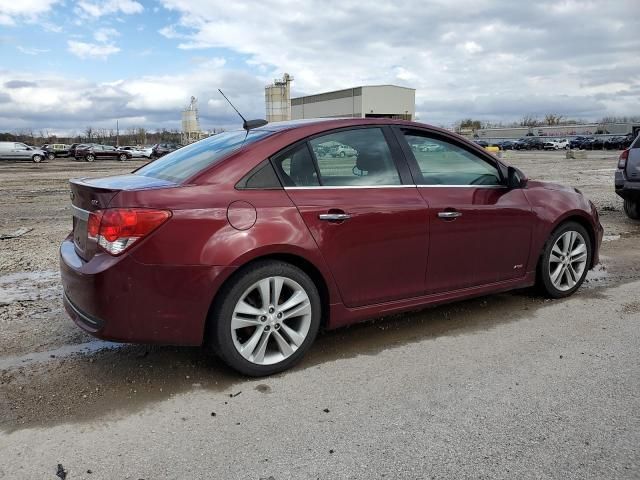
(121, 299)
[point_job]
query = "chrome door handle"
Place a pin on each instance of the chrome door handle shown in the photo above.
(334, 217)
(449, 215)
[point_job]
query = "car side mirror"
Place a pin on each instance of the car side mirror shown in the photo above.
(515, 178)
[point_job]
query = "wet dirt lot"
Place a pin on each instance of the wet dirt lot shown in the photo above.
(503, 386)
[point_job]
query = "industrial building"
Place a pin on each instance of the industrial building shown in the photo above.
(191, 131)
(277, 97)
(371, 101)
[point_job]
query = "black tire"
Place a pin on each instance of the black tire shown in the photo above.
(219, 336)
(36, 158)
(51, 156)
(89, 158)
(544, 275)
(122, 157)
(632, 208)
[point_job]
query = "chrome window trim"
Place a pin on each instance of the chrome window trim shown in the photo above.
(461, 186)
(342, 187)
(80, 213)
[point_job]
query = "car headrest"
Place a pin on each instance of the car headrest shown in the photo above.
(371, 160)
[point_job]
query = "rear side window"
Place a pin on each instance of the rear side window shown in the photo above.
(296, 167)
(185, 162)
(359, 157)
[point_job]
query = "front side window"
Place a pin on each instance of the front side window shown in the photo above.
(182, 164)
(443, 163)
(358, 157)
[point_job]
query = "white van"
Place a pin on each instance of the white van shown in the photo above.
(20, 151)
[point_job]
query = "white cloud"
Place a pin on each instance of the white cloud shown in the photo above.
(11, 10)
(91, 50)
(99, 9)
(446, 50)
(31, 50)
(103, 35)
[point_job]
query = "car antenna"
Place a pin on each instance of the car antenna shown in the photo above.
(246, 124)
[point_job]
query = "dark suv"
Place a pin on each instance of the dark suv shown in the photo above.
(627, 179)
(161, 149)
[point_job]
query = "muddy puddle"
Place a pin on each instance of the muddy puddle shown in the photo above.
(29, 286)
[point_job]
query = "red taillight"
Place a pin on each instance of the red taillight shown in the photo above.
(622, 160)
(116, 229)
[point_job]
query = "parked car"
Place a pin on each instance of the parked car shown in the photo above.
(136, 152)
(247, 243)
(556, 144)
(55, 150)
(576, 143)
(159, 150)
(482, 143)
(620, 142)
(342, 151)
(593, 143)
(627, 179)
(91, 152)
(506, 145)
(533, 143)
(72, 149)
(21, 151)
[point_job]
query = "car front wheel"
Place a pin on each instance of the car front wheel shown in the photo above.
(36, 158)
(266, 318)
(632, 208)
(565, 260)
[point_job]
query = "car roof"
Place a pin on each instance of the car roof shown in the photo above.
(331, 123)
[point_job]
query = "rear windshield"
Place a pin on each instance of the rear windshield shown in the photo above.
(636, 144)
(185, 162)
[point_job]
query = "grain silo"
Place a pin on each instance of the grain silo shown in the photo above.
(278, 99)
(191, 123)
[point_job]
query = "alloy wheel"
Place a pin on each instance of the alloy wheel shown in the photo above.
(568, 260)
(271, 320)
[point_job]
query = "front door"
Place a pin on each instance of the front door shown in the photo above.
(370, 228)
(480, 230)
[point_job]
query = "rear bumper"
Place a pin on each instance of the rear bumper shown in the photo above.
(120, 299)
(624, 187)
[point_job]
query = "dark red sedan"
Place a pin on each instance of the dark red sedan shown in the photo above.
(251, 241)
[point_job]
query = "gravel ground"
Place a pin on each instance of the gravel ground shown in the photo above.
(505, 386)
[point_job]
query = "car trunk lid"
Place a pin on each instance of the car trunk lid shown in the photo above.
(91, 194)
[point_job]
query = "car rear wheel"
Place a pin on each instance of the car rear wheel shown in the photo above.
(122, 157)
(565, 260)
(51, 156)
(632, 208)
(36, 158)
(90, 158)
(266, 318)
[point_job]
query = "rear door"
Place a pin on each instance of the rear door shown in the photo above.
(633, 161)
(365, 214)
(480, 231)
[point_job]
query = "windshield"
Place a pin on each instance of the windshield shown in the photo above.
(187, 161)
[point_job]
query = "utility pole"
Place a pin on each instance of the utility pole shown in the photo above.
(117, 134)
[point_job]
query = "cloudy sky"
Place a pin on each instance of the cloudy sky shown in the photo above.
(68, 64)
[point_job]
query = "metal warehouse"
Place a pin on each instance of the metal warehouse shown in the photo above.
(371, 101)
